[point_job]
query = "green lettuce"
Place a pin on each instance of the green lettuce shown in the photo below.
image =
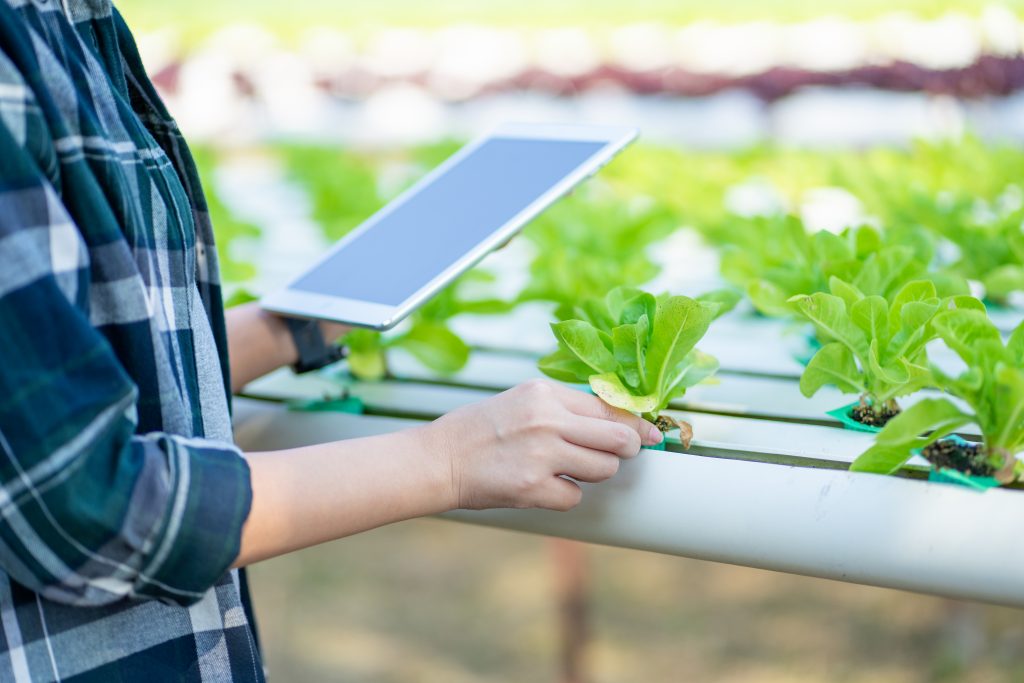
(874, 346)
(991, 387)
(635, 350)
(775, 259)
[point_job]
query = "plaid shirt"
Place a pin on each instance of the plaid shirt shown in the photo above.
(122, 495)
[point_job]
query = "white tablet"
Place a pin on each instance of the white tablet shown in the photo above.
(472, 203)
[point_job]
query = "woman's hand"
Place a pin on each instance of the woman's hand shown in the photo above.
(512, 450)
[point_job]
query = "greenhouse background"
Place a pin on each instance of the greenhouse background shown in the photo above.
(308, 116)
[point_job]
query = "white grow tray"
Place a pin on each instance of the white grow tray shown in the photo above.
(812, 520)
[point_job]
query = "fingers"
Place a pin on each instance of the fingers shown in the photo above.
(560, 494)
(588, 405)
(584, 464)
(557, 433)
(601, 435)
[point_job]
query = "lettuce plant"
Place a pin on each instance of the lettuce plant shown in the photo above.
(965, 191)
(987, 238)
(636, 351)
(775, 259)
(876, 347)
(991, 251)
(991, 395)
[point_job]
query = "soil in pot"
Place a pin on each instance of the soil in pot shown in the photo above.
(861, 417)
(867, 415)
(961, 456)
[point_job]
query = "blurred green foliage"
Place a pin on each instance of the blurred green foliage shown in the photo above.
(966, 192)
(427, 336)
(228, 228)
(341, 185)
(955, 207)
(592, 242)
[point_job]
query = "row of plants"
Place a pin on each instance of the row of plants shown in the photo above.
(874, 299)
(877, 299)
(637, 352)
(990, 393)
(965, 194)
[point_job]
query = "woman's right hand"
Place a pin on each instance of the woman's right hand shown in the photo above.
(512, 450)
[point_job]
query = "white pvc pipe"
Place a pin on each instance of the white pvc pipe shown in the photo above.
(862, 528)
(870, 529)
(711, 432)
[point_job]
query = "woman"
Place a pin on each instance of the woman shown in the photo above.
(126, 507)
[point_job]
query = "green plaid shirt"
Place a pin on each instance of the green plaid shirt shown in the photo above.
(122, 495)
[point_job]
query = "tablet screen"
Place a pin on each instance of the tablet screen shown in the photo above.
(445, 219)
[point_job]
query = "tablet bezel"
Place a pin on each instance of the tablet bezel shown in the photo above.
(358, 313)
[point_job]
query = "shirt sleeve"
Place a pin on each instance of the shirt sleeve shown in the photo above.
(90, 511)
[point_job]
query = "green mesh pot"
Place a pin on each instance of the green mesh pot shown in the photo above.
(845, 415)
(346, 404)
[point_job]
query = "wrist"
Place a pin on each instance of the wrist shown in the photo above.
(312, 349)
(434, 451)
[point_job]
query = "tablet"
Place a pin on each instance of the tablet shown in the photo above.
(442, 226)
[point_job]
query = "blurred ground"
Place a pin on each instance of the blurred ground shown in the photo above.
(438, 602)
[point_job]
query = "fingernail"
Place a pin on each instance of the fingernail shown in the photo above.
(654, 436)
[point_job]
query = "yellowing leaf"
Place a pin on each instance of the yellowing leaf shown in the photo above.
(611, 389)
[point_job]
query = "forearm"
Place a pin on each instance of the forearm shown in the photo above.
(306, 496)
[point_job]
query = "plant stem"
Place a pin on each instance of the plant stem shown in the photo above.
(1004, 462)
